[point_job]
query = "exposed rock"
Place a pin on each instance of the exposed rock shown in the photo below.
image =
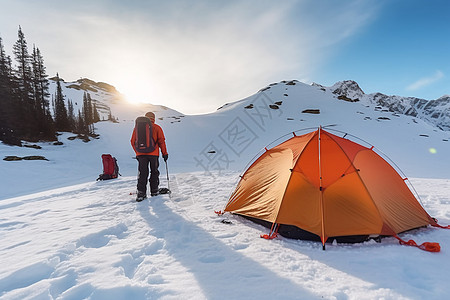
(226, 104)
(33, 146)
(348, 88)
(83, 137)
(436, 112)
(319, 86)
(311, 111)
(83, 87)
(264, 89)
(345, 98)
(17, 158)
(12, 158)
(34, 157)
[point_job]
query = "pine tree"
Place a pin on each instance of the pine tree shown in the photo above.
(81, 128)
(71, 116)
(110, 116)
(41, 94)
(40, 82)
(90, 117)
(85, 114)
(61, 119)
(7, 104)
(96, 116)
(89, 113)
(54, 105)
(23, 72)
(5, 67)
(23, 87)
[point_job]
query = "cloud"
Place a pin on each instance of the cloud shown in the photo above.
(426, 81)
(212, 55)
(191, 56)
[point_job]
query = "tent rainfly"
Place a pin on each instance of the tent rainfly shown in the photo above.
(322, 186)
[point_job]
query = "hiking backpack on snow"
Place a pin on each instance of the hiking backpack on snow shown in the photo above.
(110, 168)
(144, 135)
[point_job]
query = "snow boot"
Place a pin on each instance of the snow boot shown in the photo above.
(140, 196)
(163, 191)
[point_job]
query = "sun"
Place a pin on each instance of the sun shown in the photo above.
(135, 92)
(432, 150)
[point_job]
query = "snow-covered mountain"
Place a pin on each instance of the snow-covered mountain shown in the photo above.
(106, 98)
(436, 112)
(230, 137)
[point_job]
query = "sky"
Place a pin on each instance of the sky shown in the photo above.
(194, 56)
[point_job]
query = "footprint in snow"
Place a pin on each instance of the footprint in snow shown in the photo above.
(130, 262)
(211, 259)
(102, 238)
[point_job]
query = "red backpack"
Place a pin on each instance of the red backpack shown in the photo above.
(110, 168)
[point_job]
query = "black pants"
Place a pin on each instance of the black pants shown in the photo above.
(144, 161)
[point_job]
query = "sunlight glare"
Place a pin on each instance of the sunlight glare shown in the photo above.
(136, 93)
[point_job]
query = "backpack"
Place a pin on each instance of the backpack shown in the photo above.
(110, 168)
(144, 135)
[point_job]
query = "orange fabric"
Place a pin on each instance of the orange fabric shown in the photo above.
(397, 205)
(259, 196)
(329, 186)
(272, 234)
(158, 137)
(427, 246)
(440, 226)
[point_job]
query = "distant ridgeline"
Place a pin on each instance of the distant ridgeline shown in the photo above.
(436, 112)
(29, 112)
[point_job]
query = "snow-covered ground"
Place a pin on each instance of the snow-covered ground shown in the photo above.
(66, 236)
(94, 241)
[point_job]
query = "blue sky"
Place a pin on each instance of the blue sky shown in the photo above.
(194, 56)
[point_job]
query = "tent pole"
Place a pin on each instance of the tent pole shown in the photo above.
(321, 190)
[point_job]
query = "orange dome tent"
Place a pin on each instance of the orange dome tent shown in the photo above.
(328, 187)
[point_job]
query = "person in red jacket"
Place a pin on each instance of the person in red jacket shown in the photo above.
(152, 159)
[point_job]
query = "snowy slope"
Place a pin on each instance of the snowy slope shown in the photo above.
(230, 137)
(66, 236)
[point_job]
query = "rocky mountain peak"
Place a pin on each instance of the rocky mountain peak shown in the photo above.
(349, 90)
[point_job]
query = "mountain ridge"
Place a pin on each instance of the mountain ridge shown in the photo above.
(227, 139)
(436, 112)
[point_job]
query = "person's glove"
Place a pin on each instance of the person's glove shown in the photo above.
(165, 156)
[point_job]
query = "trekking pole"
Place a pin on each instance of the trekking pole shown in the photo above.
(168, 186)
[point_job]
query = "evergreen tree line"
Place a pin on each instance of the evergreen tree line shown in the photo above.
(25, 100)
